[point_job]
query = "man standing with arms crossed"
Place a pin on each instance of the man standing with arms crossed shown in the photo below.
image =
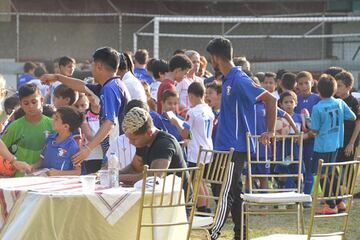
(239, 94)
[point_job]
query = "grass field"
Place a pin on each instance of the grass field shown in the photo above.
(266, 225)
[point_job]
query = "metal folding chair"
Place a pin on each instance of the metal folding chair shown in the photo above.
(167, 191)
(290, 148)
(341, 179)
(216, 177)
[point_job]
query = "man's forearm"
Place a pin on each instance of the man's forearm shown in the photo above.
(271, 112)
(73, 83)
(130, 178)
(101, 134)
(356, 132)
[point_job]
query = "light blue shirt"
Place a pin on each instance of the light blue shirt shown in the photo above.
(327, 119)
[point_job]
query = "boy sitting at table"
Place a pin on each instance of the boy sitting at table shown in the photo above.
(26, 136)
(60, 146)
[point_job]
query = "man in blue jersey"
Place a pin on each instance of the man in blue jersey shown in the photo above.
(109, 90)
(141, 58)
(239, 94)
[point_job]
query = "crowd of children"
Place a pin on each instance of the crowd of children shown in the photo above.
(71, 126)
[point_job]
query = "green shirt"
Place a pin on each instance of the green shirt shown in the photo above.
(26, 140)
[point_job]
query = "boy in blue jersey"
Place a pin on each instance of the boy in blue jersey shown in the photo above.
(306, 100)
(287, 102)
(327, 122)
(170, 101)
(109, 91)
(237, 117)
(56, 156)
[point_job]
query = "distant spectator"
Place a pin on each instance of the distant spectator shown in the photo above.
(179, 51)
(333, 71)
(159, 68)
(288, 82)
(140, 72)
(29, 69)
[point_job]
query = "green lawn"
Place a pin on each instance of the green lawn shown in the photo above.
(266, 225)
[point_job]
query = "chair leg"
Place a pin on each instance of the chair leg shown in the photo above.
(302, 218)
(242, 221)
(298, 217)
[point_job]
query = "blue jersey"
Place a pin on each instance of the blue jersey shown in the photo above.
(261, 126)
(23, 79)
(170, 128)
(157, 119)
(237, 116)
(142, 74)
(307, 102)
(58, 155)
(327, 119)
(287, 145)
(113, 99)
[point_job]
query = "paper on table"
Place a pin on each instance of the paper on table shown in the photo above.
(41, 172)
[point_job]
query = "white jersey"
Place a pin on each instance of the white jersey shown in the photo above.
(182, 90)
(200, 118)
(134, 87)
(123, 150)
(154, 87)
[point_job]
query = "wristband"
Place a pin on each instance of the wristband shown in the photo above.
(186, 126)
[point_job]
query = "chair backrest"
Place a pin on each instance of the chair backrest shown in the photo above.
(283, 157)
(334, 181)
(168, 191)
(216, 173)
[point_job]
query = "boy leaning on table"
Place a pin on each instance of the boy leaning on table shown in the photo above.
(26, 136)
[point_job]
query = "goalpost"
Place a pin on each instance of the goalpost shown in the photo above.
(319, 22)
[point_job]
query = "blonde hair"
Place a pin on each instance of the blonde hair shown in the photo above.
(137, 121)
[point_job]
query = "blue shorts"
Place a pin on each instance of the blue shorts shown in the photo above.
(328, 157)
(258, 168)
(308, 149)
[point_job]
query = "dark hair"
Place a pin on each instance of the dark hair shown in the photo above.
(39, 71)
(29, 66)
(288, 81)
(333, 71)
(107, 56)
(141, 56)
(180, 61)
(65, 92)
(168, 93)
(240, 61)
(10, 103)
(129, 62)
(216, 86)
(346, 77)
(303, 74)
(159, 66)
(48, 110)
(260, 76)
(326, 86)
(149, 64)
(280, 73)
(63, 61)
(196, 89)
(135, 103)
(220, 47)
(71, 116)
(270, 75)
(179, 51)
(287, 94)
(19, 113)
(28, 90)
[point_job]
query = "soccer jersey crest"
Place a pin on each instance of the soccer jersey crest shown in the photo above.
(61, 152)
(228, 90)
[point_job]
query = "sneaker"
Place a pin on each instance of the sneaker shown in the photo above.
(341, 207)
(326, 209)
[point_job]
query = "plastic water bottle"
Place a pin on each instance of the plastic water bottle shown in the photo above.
(113, 167)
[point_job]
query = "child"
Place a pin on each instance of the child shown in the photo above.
(60, 146)
(170, 102)
(288, 82)
(27, 135)
(91, 124)
(345, 81)
(159, 68)
(269, 84)
(64, 96)
(287, 102)
(213, 98)
(306, 100)
(11, 104)
(199, 121)
(179, 65)
(327, 122)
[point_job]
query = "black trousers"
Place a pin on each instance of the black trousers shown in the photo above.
(231, 198)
